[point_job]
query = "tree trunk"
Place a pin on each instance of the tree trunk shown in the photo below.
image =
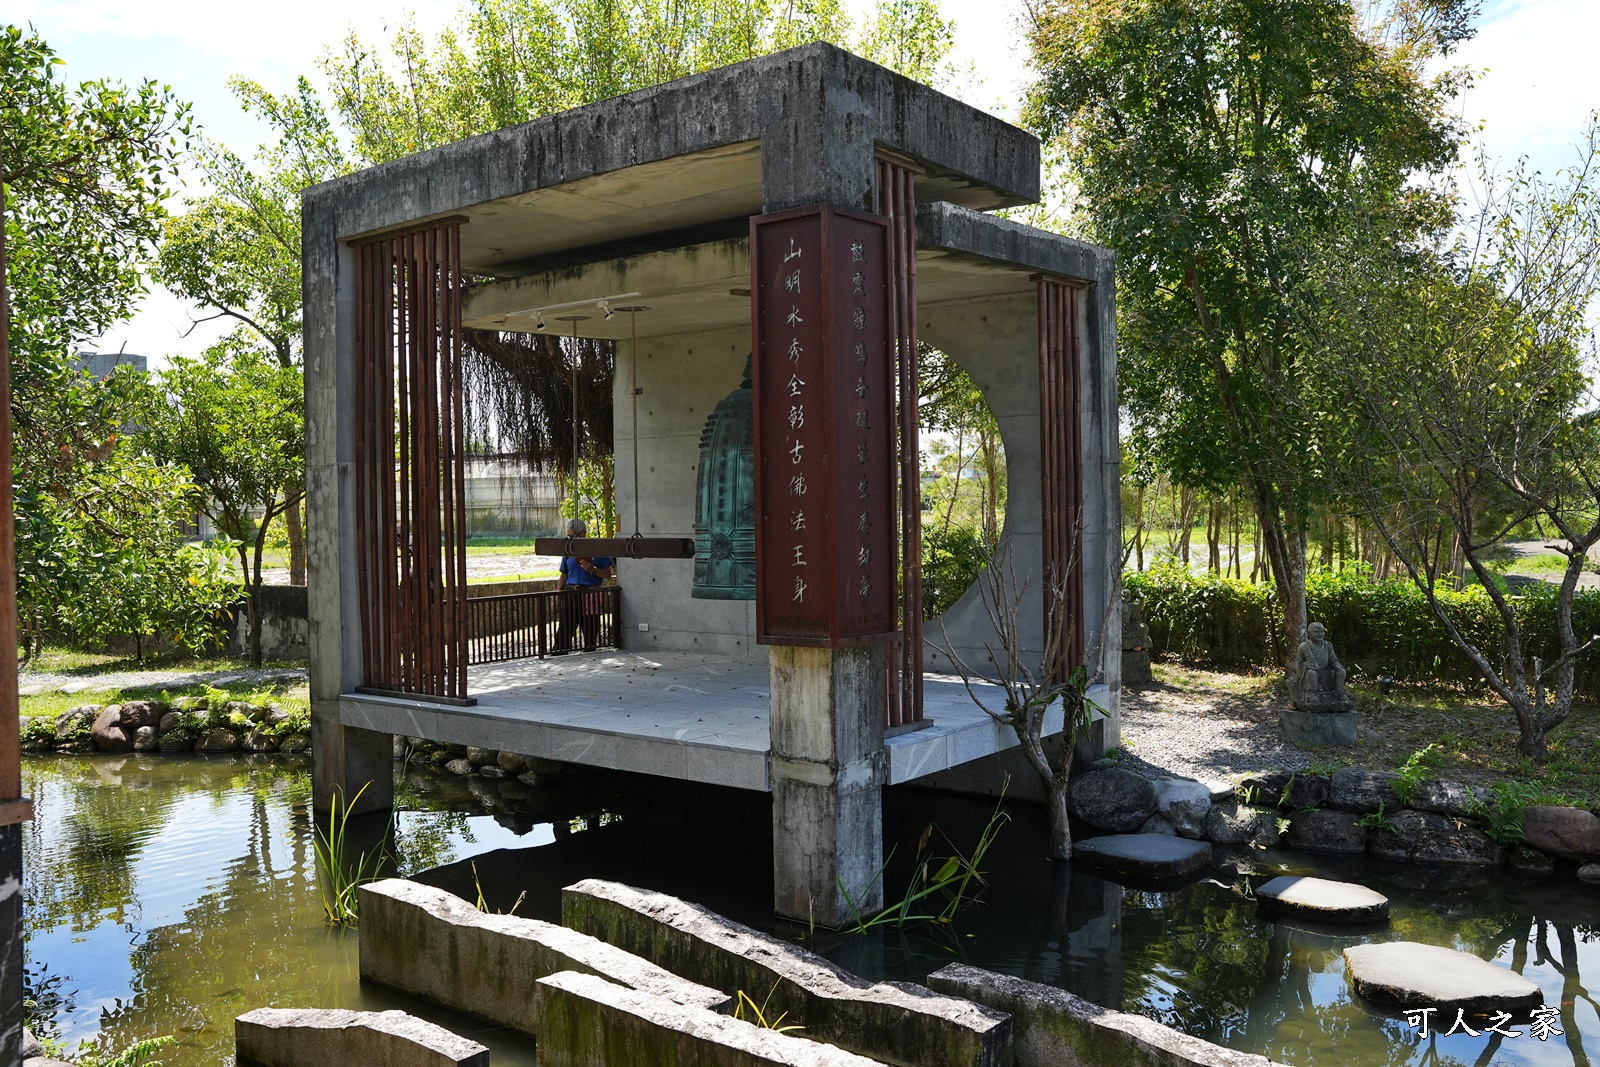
(1138, 526)
(1060, 845)
(1284, 539)
(255, 594)
(297, 540)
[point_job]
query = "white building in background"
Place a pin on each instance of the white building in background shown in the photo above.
(101, 364)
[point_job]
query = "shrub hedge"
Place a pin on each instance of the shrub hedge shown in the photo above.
(1378, 627)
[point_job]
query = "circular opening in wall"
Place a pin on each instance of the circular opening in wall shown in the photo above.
(963, 464)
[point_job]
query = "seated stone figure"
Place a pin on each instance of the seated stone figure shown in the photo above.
(1316, 680)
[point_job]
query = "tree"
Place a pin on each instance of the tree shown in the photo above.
(1474, 409)
(1214, 145)
(85, 171)
(235, 420)
(1021, 696)
(236, 252)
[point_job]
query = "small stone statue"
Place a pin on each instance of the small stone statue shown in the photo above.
(1316, 681)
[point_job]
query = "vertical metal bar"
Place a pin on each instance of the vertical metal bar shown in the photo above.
(1075, 500)
(913, 522)
(458, 441)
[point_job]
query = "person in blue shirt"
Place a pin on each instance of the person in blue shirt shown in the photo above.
(580, 610)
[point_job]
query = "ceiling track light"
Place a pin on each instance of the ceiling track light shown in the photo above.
(603, 303)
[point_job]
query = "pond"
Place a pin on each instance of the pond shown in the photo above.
(167, 895)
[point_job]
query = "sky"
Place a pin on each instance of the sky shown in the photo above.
(1534, 72)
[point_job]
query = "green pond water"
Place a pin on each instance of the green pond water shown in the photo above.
(167, 895)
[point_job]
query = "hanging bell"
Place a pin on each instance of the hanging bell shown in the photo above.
(725, 500)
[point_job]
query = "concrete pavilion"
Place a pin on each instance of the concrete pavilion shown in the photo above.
(650, 197)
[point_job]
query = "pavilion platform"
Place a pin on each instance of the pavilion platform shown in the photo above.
(682, 715)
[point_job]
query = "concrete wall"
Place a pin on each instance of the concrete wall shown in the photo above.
(682, 377)
(283, 623)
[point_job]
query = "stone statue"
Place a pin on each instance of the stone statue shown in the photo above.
(1316, 681)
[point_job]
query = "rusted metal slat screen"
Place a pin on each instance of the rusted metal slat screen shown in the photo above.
(1061, 467)
(410, 484)
(896, 198)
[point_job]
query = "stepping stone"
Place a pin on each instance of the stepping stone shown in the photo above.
(30, 690)
(1144, 855)
(1405, 974)
(75, 687)
(1324, 900)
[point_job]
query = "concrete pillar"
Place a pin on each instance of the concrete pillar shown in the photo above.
(344, 759)
(827, 767)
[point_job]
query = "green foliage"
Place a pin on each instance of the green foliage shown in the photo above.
(953, 880)
(1412, 772)
(235, 419)
(138, 1054)
(341, 874)
(952, 559)
(1215, 146)
(1377, 820)
(86, 170)
(1502, 815)
(39, 732)
(1377, 627)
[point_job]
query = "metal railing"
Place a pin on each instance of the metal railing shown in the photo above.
(536, 625)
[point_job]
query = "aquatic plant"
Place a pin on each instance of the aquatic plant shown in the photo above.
(758, 1014)
(341, 877)
(483, 905)
(138, 1054)
(954, 876)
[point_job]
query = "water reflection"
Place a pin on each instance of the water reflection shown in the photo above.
(176, 893)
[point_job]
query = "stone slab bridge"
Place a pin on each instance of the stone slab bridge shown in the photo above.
(816, 212)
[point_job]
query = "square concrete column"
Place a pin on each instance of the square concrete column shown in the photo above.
(344, 759)
(827, 768)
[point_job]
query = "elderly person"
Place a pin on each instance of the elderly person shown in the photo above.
(580, 609)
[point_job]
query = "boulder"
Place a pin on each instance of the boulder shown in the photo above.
(180, 739)
(295, 744)
(1527, 861)
(492, 771)
(546, 768)
(1589, 873)
(1428, 837)
(137, 713)
(30, 1045)
(511, 762)
(1116, 800)
(1324, 830)
(146, 739)
(1404, 974)
(458, 766)
(482, 757)
(218, 740)
(1448, 798)
(1306, 791)
(259, 712)
(107, 733)
(1264, 788)
(1236, 824)
(170, 721)
(277, 716)
(258, 741)
(528, 778)
(1567, 833)
(1182, 805)
(76, 720)
(242, 708)
(1360, 790)
(191, 703)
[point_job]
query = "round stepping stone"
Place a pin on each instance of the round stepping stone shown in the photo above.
(1152, 856)
(1323, 900)
(1405, 974)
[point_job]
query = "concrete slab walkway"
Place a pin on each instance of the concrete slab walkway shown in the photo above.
(681, 715)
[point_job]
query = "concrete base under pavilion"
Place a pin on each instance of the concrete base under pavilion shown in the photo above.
(681, 715)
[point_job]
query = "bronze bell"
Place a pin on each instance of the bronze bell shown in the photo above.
(725, 500)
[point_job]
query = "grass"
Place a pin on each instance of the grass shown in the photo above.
(526, 576)
(292, 698)
(340, 873)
